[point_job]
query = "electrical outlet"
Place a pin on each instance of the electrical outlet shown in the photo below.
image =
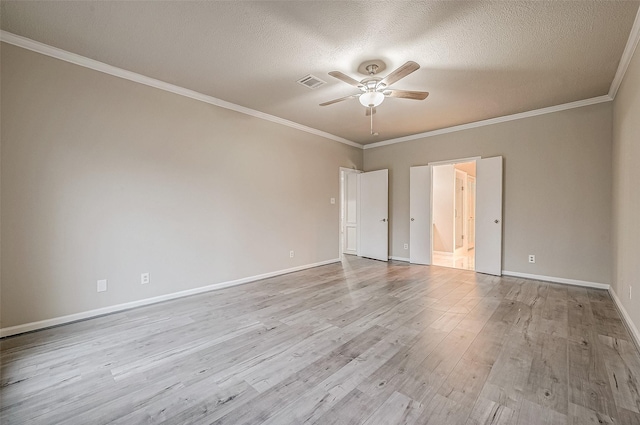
(144, 278)
(290, 254)
(102, 285)
(406, 246)
(532, 258)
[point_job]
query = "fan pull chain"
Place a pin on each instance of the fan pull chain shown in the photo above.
(371, 116)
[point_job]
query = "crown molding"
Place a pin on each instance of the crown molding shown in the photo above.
(83, 61)
(627, 54)
(491, 121)
(26, 43)
(632, 43)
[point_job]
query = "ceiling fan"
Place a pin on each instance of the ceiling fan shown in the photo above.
(374, 89)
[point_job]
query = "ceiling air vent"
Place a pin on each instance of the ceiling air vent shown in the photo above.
(311, 82)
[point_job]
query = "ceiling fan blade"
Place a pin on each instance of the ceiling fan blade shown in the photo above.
(345, 78)
(370, 111)
(400, 73)
(331, 102)
(407, 94)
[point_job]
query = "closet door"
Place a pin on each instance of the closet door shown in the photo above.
(374, 210)
(488, 243)
(420, 215)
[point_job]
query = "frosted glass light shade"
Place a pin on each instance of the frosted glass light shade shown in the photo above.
(371, 99)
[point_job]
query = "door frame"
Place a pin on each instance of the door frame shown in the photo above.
(449, 162)
(455, 161)
(495, 216)
(343, 171)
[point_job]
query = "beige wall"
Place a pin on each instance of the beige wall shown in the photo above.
(103, 178)
(557, 188)
(467, 167)
(106, 178)
(626, 190)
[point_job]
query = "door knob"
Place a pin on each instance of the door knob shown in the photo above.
(384, 219)
(496, 221)
(413, 219)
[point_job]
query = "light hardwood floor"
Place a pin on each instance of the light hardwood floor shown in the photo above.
(449, 259)
(362, 342)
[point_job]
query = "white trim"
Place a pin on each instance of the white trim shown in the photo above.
(627, 54)
(27, 327)
(76, 59)
(497, 120)
(631, 327)
(54, 52)
(350, 169)
(456, 161)
(574, 282)
(406, 260)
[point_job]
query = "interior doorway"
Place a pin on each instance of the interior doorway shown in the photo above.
(483, 217)
(453, 215)
(348, 211)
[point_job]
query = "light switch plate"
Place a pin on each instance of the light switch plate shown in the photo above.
(102, 285)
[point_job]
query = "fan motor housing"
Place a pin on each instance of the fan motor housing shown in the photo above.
(362, 68)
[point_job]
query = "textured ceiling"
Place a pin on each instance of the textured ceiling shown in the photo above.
(478, 59)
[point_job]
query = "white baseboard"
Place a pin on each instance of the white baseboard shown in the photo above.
(553, 279)
(28, 327)
(633, 330)
(406, 260)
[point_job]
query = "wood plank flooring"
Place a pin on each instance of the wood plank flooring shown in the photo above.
(357, 342)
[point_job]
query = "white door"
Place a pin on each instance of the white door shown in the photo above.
(349, 230)
(420, 215)
(488, 241)
(374, 210)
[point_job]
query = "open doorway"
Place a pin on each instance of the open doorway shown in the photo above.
(453, 215)
(349, 211)
(484, 215)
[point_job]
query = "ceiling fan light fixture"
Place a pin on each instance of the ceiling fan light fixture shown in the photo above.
(371, 99)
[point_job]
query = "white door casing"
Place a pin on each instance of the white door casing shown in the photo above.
(373, 189)
(488, 238)
(420, 215)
